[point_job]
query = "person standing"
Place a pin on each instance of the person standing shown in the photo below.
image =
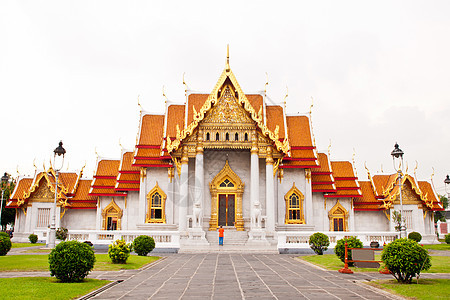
(221, 230)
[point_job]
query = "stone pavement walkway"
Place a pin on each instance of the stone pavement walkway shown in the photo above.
(241, 276)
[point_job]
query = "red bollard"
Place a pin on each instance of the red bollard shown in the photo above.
(345, 269)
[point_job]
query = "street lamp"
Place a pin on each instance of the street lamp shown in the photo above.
(58, 161)
(397, 154)
(5, 179)
(447, 183)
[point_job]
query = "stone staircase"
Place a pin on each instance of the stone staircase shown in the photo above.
(234, 242)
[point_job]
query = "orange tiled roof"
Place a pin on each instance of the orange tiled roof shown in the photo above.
(128, 173)
(22, 186)
(256, 101)
(175, 116)
(299, 131)
(428, 190)
(345, 180)
(196, 100)
(148, 152)
(324, 164)
(368, 200)
(382, 182)
(275, 117)
(82, 199)
(68, 180)
(151, 131)
(107, 167)
(105, 178)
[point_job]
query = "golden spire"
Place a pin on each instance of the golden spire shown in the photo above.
(329, 150)
(267, 83)
(227, 66)
(185, 85)
(120, 144)
(287, 94)
(367, 169)
(139, 103)
(164, 94)
(415, 169)
(311, 106)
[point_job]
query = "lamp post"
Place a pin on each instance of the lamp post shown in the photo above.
(397, 154)
(5, 179)
(59, 153)
(447, 183)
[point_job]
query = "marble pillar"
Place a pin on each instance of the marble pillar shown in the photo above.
(184, 191)
(270, 199)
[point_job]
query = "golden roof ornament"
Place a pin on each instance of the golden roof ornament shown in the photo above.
(267, 83)
(227, 66)
(139, 104)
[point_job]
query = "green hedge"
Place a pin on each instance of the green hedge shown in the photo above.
(143, 245)
(119, 251)
(319, 242)
(339, 249)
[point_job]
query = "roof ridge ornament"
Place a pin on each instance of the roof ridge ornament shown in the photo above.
(227, 66)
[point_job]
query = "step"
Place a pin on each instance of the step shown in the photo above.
(214, 248)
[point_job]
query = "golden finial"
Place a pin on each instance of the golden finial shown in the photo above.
(43, 165)
(228, 58)
(406, 171)
(287, 94)
(67, 166)
(381, 169)
(120, 144)
(34, 164)
(267, 83)
(311, 106)
(83, 167)
(415, 169)
(164, 94)
(329, 150)
(17, 171)
(367, 169)
(139, 103)
(353, 156)
(96, 153)
(185, 85)
(432, 175)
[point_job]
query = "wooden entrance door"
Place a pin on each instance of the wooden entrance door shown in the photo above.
(226, 209)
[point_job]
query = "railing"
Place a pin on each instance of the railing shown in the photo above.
(163, 239)
(300, 239)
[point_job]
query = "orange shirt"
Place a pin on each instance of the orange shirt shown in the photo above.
(221, 230)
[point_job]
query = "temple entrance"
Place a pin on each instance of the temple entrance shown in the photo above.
(226, 200)
(226, 210)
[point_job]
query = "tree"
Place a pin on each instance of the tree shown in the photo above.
(397, 219)
(439, 216)
(8, 214)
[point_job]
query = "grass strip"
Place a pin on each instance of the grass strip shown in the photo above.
(441, 247)
(426, 289)
(26, 245)
(439, 264)
(46, 288)
(25, 263)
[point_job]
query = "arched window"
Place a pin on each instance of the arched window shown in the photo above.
(227, 136)
(294, 206)
(112, 216)
(217, 136)
(246, 137)
(156, 199)
(207, 136)
(338, 216)
(236, 136)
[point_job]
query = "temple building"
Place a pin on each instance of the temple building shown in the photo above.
(223, 159)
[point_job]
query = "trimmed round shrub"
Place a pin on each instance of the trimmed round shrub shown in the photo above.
(143, 245)
(447, 238)
(415, 236)
(33, 238)
(71, 261)
(339, 249)
(119, 251)
(5, 244)
(61, 233)
(319, 242)
(405, 258)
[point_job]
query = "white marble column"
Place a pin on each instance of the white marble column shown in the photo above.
(199, 182)
(58, 217)
(270, 199)
(184, 192)
(351, 217)
(142, 197)
(308, 198)
(254, 184)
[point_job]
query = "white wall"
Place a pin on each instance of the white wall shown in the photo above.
(79, 219)
(371, 221)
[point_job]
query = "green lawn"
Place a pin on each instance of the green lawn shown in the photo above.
(26, 245)
(439, 264)
(440, 288)
(437, 247)
(16, 263)
(45, 288)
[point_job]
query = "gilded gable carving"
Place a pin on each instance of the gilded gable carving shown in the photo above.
(43, 194)
(227, 110)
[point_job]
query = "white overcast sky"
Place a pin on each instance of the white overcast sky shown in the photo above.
(379, 73)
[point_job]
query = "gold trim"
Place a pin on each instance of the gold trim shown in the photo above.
(336, 212)
(238, 190)
(148, 218)
(294, 190)
(269, 158)
(242, 99)
(118, 213)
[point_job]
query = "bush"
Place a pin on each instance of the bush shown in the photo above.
(405, 258)
(143, 245)
(33, 238)
(5, 243)
(119, 251)
(447, 238)
(71, 261)
(415, 236)
(352, 242)
(319, 242)
(61, 233)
